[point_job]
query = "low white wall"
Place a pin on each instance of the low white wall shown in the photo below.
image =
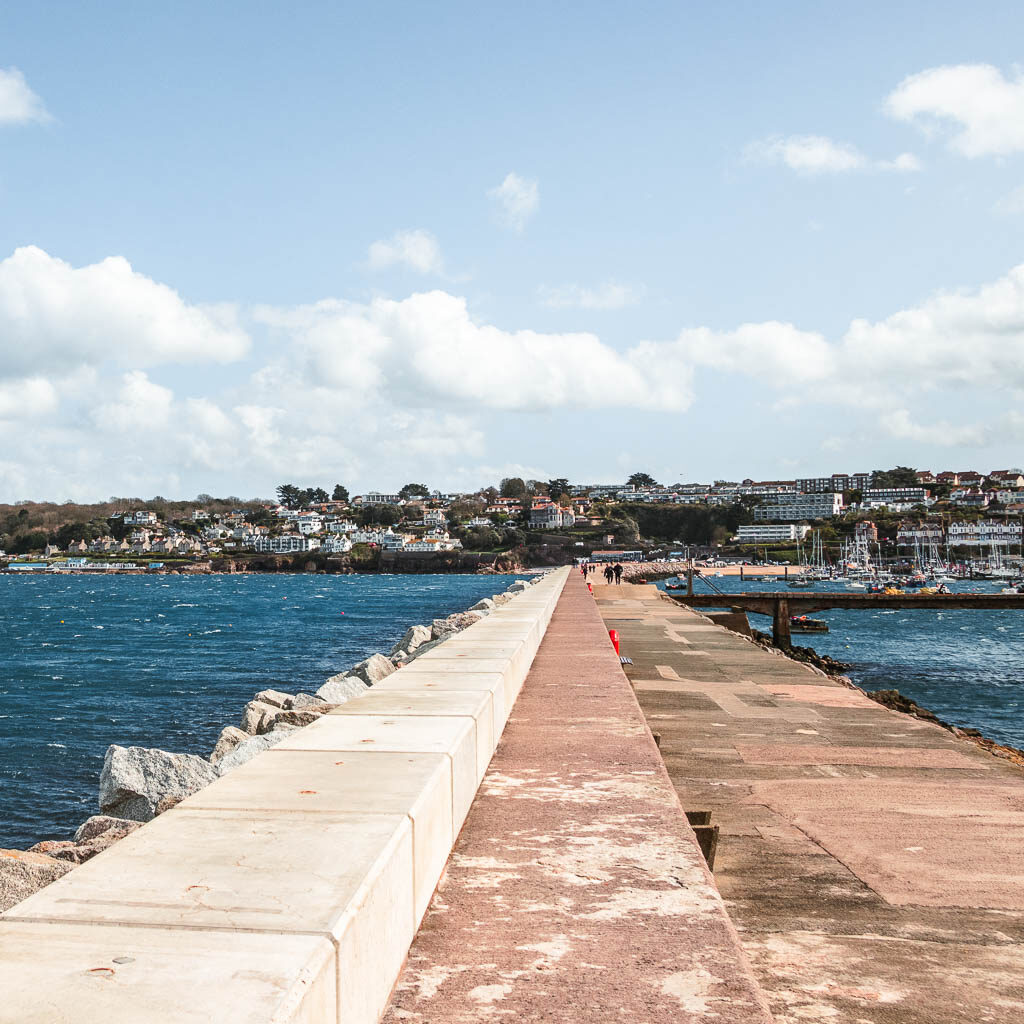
(289, 890)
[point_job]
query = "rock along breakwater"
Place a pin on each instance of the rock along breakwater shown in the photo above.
(139, 783)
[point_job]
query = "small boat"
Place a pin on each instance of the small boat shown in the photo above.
(802, 624)
(801, 583)
(675, 586)
(857, 585)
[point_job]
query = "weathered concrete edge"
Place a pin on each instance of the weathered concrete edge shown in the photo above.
(314, 976)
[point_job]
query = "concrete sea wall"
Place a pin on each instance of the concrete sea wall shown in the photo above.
(289, 889)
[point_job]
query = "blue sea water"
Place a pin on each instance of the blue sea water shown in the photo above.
(966, 666)
(168, 661)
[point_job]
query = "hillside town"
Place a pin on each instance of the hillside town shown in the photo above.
(904, 507)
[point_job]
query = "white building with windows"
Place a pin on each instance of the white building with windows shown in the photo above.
(771, 533)
(795, 507)
(876, 496)
(837, 482)
(309, 523)
(336, 544)
(434, 517)
(376, 498)
(342, 526)
(985, 533)
(912, 535)
(142, 517)
(286, 544)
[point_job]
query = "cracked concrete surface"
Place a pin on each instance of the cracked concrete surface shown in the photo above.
(576, 890)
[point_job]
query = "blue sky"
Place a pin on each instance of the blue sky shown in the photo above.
(378, 243)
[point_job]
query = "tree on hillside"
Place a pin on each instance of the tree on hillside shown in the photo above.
(513, 487)
(314, 496)
(558, 488)
(414, 491)
(901, 476)
(378, 515)
(289, 495)
(340, 493)
(642, 480)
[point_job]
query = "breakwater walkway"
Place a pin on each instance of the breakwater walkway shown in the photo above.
(872, 863)
(577, 891)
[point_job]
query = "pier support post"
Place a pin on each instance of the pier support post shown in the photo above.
(780, 625)
(689, 579)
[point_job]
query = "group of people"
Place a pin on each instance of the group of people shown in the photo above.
(612, 573)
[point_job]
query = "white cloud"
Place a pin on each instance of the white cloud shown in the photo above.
(983, 109)
(416, 249)
(518, 199)
(960, 340)
(904, 162)
(610, 295)
(806, 154)
(27, 398)
(426, 349)
(778, 352)
(54, 317)
(815, 154)
(139, 406)
(899, 424)
(18, 103)
(358, 392)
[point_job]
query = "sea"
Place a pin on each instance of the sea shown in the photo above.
(967, 666)
(168, 661)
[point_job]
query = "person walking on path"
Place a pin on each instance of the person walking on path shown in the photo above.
(618, 572)
(609, 574)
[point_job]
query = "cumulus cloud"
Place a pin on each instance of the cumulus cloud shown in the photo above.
(610, 295)
(341, 389)
(969, 339)
(418, 250)
(775, 351)
(27, 398)
(139, 405)
(981, 110)
(899, 424)
(517, 198)
(55, 315)
(816, 154)
(18, 103)
(427, 348)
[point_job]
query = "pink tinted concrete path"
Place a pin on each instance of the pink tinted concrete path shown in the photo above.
(576, 891)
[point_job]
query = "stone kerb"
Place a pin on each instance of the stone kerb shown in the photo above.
(290, 889)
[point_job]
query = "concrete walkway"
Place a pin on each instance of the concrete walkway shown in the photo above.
(873, 863)
(576, 891)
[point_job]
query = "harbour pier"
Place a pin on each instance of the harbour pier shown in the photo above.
(782, 606)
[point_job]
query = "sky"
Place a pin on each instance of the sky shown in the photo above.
(243, 244)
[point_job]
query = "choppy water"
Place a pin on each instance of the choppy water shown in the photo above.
(966, 666)
(168, 662)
